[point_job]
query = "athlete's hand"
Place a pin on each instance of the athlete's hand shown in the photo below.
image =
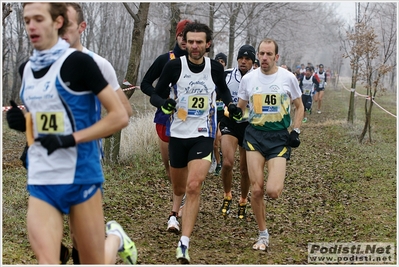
(294, 139)
(168, 106)
(16, 118)
(235, 112)
(53, 142)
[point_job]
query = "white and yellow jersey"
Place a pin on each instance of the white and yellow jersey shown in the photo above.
(269, 98)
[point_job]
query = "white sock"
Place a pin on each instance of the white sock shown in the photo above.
(117, 233)
(184, 240)
(263, 233)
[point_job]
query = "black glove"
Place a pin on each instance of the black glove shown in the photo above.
(16, 118)
(23, 156)
(52, 142)
(235, 112)
(168, 106)
(294, 139)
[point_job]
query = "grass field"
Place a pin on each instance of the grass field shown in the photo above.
(336, 190)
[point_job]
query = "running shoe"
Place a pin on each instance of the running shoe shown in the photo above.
(217, 170)
(262, 243)
(173, 225)
(182, 254)
(64, 254)
(242, 211)
(183, 202)
(305, 120)
(318, 112)
(128, 252)
(225, 209)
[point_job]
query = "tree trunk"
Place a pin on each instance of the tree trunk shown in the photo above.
(211, 53)
(19, 58)
(367, 125)
(6, 10)
(174, 19)
(235, 8)
(352, 95)
(112, 144)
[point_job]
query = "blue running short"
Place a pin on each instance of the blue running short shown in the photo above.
(63, 196)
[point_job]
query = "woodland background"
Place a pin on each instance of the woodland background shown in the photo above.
(131, 35)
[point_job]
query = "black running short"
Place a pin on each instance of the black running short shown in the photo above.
(228, 126)
(270, 144)
(182, 151)
(307, 102)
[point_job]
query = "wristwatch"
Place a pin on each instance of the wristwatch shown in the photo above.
(297, 130)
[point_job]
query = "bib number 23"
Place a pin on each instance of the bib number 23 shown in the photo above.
(198, 102)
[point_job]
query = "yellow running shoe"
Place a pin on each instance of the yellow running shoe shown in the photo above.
(128, 252)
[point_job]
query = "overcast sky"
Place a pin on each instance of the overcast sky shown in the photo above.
(347, 9)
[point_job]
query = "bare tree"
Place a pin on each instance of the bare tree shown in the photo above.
(6, 49)
(306, 31)
(211, 26)
(16, 50)
(112, 145)
(354, 56)
(386, 15)
(370, 59)
(6, 10)
(175, 17)
(234, 9)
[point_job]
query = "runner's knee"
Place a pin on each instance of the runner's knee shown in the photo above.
(274, 193)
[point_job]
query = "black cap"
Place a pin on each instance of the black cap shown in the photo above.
(221, 56)
(256, 61)
(247, 50)
(321, 66)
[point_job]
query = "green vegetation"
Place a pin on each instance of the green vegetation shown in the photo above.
(336, 190)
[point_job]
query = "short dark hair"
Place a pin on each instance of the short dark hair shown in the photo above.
(78, 9)
(199, 27)
(55, 10)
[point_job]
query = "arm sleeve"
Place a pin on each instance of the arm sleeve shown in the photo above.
(219, 79)
(152, 74)
(242, 93)
(110, 75)
(296, 91)
(301, 84)
(83, 73)
(170, 74)
(316, 82)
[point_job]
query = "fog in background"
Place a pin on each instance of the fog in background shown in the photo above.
(305, 31)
